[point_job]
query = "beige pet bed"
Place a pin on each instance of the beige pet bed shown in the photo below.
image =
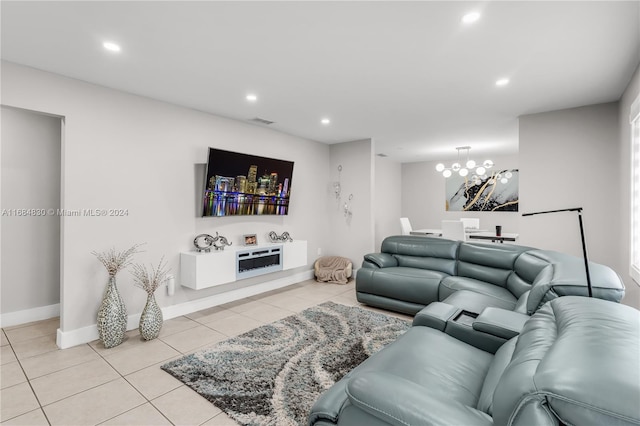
(333, 269)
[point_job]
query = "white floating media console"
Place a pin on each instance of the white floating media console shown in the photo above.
(202, 270)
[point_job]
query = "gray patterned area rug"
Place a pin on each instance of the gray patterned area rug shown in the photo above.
(273, 374)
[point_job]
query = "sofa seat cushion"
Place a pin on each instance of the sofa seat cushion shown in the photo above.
(471, 301)
(409, 284)
(436, 362)
(450, 285)
(448, 367)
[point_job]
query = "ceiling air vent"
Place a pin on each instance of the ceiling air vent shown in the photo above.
(259, 120)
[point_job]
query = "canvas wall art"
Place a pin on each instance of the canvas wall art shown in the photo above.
(496, 192)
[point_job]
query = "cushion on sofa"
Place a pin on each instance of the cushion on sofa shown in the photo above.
(446, 266)
(450, 285)
(430, 247)
(430, 359)
(434, 361)
(471, 301)
(502, 256)
(400, 402)
(525, 270)
(410, 284)
(492, 263)
(434, 253)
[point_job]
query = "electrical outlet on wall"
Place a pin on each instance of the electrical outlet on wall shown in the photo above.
(319, 251)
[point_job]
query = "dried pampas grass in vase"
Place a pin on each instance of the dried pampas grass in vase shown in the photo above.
(112, 314)
(149, 280)
(115, 261)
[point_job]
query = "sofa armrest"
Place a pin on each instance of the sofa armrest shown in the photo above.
(566, 276)
(328, 405)
(381, 260)
(500, 322)
(493, 327)
(400, 402)
(435, 315)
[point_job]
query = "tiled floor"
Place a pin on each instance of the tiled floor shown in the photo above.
(91, 385)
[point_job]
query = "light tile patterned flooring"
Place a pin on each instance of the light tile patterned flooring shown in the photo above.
(91, 385)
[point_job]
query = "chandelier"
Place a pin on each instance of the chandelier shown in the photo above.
(479, 172)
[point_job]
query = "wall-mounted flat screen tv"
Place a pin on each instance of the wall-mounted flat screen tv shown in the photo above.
(243, 184)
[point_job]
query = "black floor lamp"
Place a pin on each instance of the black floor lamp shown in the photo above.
(584, 244)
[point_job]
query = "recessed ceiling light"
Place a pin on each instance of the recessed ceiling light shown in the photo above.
(325, 121)
(470, 17)
(111, 46)
(502, 82)
(251, 97)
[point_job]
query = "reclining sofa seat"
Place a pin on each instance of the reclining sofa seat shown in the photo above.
(410, 272)
(576, 362)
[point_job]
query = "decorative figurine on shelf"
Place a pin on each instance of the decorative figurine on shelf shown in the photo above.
(220, 242)
(275, 238)
(203, 243)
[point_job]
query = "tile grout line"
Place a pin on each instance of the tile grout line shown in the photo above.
(30, 387)
(147, 400)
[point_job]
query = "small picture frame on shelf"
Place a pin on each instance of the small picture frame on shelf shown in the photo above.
(250, 239)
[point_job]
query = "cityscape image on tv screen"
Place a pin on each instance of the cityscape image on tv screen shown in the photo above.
(242, 184)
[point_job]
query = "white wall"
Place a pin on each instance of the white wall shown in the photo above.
(570, 158)
(31, 146)
(632, 296)
(387, 196)
(123, 151)
(423, 198)
(351, 236)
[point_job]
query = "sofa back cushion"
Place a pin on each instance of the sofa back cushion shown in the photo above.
(525, 270)
(436, 254)
(492, 263)
(575, 362)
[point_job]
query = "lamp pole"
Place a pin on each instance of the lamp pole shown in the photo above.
(584, 244)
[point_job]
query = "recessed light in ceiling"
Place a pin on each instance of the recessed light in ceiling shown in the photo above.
(470, 17)
(502, 82)
(110, 46)
(325, 121)
(251, 97)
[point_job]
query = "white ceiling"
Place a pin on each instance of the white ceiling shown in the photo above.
(409, 75)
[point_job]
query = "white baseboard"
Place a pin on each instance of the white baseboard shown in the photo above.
(76, 337)
(29, 315)
(174, 311)
(87, 334)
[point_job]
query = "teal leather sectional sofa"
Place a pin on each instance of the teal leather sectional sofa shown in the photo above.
(492, 341)
(411, 272)
(576, 361)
